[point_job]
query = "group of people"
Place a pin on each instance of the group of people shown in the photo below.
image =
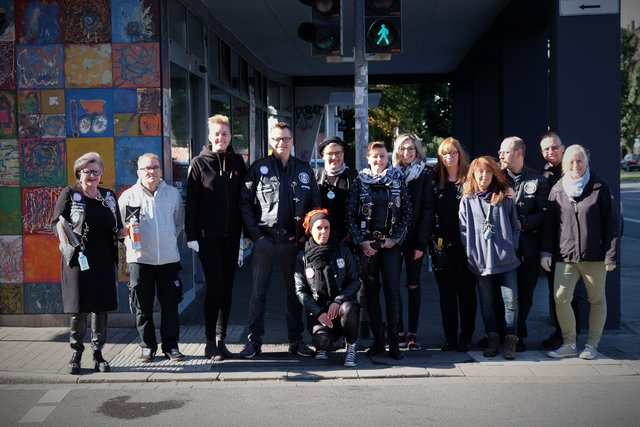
(339, 237)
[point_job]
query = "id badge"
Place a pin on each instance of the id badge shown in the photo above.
(83, 261)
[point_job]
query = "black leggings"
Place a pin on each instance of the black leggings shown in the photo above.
(323, 336)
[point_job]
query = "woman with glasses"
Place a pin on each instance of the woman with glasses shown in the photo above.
(490, 232)
(449, 260)
(213, 227)
(378, 215)
(409, 157)
(87, 221)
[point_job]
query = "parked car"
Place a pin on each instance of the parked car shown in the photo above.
(630, 162)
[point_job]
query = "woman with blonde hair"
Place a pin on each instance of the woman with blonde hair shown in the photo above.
(490, 231)
(449, 260)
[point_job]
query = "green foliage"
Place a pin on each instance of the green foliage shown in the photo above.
(630, 85)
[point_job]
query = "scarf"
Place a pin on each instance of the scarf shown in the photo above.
(387, 176)
(412, 171)
(485, 195)
(319, 258)
(334, 172)
(575, 187)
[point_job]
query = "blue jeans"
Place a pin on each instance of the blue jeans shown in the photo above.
(507, 283)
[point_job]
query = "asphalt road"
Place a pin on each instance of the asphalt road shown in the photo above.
(548, 401)
(630, 197)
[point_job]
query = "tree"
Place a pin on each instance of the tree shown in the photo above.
(630, 85)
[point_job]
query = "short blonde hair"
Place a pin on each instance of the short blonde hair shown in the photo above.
(570, 153)
(417, 142)
(86, 159)
(218, 119)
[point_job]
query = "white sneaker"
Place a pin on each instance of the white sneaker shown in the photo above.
(565, 350)
(589, 353)
(321, 355)
(351, 357)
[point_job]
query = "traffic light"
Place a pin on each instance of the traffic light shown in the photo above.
(324, 32)
(383, 26)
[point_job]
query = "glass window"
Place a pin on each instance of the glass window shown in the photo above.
(243, 76)
(240, 112)
(225, 62)
(235, 70)
(177, 23)
(273, 95)
(285, 98)
(220, 102)
(196, 36)
(214, 56)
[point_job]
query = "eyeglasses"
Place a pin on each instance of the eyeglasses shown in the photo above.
(333, 153)
(282, 138)
(410, 148)
(551, 148)
(150, 169)
(450, 153)
(91, 172)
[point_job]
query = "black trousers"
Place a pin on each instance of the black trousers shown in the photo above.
(527, 279)
(145, 280)
(382, 271)
(345, 325)
(413, 268)
(219, 260)
(457, 296)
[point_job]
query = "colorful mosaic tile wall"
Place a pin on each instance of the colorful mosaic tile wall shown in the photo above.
(75, 76)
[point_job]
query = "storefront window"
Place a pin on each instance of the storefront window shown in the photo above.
(177, 23)
(240, 128)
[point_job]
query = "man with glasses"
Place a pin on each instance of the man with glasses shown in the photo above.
(277, 193)
(157, 208)
(531, 191)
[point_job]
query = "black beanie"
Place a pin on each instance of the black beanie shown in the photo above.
(331, 140)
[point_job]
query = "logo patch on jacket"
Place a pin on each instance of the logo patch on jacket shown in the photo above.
(303, 177)
(530, 187)
(309, 273)
(264, 170)
(340, 262)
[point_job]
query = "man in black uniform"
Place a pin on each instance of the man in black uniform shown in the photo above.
(277, 193)
(531, 191)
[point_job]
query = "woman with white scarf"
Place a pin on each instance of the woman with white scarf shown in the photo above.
(378, 216)
(581, 236)
(409, 157)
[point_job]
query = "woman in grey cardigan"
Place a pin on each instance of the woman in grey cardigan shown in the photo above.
(489, 230)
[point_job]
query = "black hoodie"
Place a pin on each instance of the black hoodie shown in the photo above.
(213, 191)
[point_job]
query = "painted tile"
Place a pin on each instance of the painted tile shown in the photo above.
(11, 299)
(39, 22)
(52, 101)
(53, 126)
(125, 101)
(29, 101)
(41, 258)
(7, 27)
(89, 112)
(87, 21)
(43, 162)
(40, 66)
(149, 100)
(127, 150)
(150, 124)
(87, 65)
(29, 126)
(136, 65)
(126, 124)
(7, 66)
(135, 21)
(10, 259)
(9, 162)
(76, 147)
(8, 124)
(43, 298)
(10, 213)
(37, 209)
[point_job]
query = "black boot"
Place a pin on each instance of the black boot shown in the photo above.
(378, 344)
(394, 347)
(74, 363)
(222, 348)
(101, 365)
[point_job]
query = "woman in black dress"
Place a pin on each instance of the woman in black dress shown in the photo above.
(87, 221)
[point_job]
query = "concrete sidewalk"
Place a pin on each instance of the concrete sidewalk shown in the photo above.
(40, 355)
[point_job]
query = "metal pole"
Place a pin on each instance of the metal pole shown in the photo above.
(361, 88)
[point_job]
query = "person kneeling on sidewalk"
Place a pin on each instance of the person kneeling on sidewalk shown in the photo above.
(327, 285)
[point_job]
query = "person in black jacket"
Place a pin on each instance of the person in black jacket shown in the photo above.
(530, 195)
(327, 284)
(378, 215)
(213, 227)
(409, 157)
(277, 193)
(581, 236)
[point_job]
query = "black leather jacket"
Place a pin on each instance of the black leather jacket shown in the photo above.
(532, 192)
(345, 268)
(260, 196)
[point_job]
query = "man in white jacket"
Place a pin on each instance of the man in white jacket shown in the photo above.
(158, 209)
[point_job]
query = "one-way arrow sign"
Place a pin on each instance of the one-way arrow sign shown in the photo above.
(589, 7)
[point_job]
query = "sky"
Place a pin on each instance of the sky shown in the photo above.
(629, 10)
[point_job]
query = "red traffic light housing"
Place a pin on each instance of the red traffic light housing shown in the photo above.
(324, 32)
(383, 26)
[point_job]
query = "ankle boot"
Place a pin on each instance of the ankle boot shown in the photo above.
(209, 349)
(493, 344)
(378, 344)
(394, 346)
(222, 348)
(74, 363)
(509, 347)
(101, 365)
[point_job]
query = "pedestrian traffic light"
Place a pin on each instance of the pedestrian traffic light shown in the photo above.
(383, 26)
(324, 32)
